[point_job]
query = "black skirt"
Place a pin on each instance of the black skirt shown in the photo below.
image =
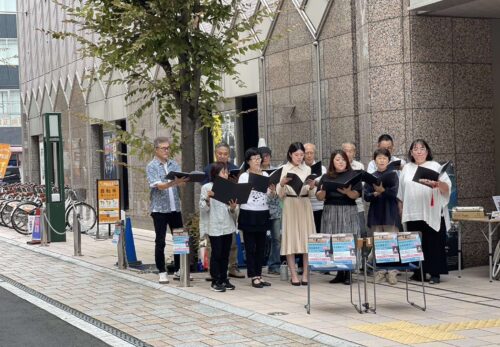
(254, 221)
(433, 246)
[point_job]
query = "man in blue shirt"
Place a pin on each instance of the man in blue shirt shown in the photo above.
(165, 207)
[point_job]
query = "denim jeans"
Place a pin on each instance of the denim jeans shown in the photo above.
(274, 256)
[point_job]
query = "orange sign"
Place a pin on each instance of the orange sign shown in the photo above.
(108, 201)
(4, 158)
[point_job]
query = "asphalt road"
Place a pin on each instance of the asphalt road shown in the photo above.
(24, 324)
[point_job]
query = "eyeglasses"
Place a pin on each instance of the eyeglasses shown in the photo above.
(419, 149)
(164, 148)
(256, 158)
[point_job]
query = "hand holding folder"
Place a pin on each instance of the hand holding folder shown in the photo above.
(428, 177)
(345, 180)
(193, 176)
(226, 191)
(296, 183)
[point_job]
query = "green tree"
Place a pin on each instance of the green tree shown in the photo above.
(194, 42)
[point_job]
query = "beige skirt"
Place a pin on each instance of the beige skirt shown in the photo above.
(298, 224)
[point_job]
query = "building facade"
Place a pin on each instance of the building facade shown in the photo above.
(331, 71)
(10, 96)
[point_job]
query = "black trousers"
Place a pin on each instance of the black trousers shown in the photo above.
(255, 246)
(219, 258)
(433, 247)
(317, 219)
(160, 221)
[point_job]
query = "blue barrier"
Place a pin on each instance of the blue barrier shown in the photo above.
(130, 245)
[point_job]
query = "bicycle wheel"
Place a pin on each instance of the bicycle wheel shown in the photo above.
(88, 216)
(496, 262)
(7, 212)
(19, 217)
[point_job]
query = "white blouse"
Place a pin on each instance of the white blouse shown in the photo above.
(257, 201)
(417, 198)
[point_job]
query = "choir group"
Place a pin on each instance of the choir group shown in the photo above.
(302, 197)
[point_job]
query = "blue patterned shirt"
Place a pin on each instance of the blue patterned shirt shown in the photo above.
(160, 199)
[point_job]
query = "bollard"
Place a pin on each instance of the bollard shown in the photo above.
(122, 258)
(77, 233)
(184, 271)
(44, 228)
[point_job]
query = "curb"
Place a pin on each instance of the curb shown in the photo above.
(314, 335)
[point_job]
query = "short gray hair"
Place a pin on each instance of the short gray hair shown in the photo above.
(159, 140)
(349, 143)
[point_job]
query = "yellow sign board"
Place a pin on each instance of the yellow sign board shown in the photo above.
(4, 158)
(108, 201)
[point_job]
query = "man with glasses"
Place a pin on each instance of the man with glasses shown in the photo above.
(165, 204)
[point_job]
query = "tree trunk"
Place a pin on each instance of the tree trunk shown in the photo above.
(188, 129)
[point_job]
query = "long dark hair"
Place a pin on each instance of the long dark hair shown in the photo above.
(331, 168)
(294, 147)
(216, 168)
(423, 143)
(249, 154)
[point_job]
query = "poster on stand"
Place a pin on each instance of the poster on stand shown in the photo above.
(344, 251)
(108, 201)
(319, 251)
(386, 247)
(410, 247)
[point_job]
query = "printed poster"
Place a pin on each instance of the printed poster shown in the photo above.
(319, 251)
(386, 247)
(181, 243)
(344, 250)
(34, 228)
(4, 158)
(410, 247)
(108, 201)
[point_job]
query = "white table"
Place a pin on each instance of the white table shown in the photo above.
(487, 230)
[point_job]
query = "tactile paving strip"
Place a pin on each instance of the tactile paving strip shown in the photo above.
(408, 333)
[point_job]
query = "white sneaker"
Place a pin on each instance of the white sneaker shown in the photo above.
(163, 278)
(177, 276)
(392, 277)
(380, 276)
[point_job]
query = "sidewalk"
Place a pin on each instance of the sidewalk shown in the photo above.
(460, 312)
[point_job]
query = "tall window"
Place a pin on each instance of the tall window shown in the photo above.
(10, 108)
(8, 52)
(7, 5)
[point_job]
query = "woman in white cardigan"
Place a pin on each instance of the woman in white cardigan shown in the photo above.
(218, 221)
(424, 208)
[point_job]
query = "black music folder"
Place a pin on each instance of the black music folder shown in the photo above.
(429, 174)
(194, 176)
(394, 165)
(350, 178)
(259, 183)
(295, 183)
(234, 173)
(275, 176)
(316, 169)
(226, 190)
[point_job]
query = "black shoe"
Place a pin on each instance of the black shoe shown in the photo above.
(256, 283)
(218, 287)
(264, 283)
(228, 285)
(295, 283)
(339, 278)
